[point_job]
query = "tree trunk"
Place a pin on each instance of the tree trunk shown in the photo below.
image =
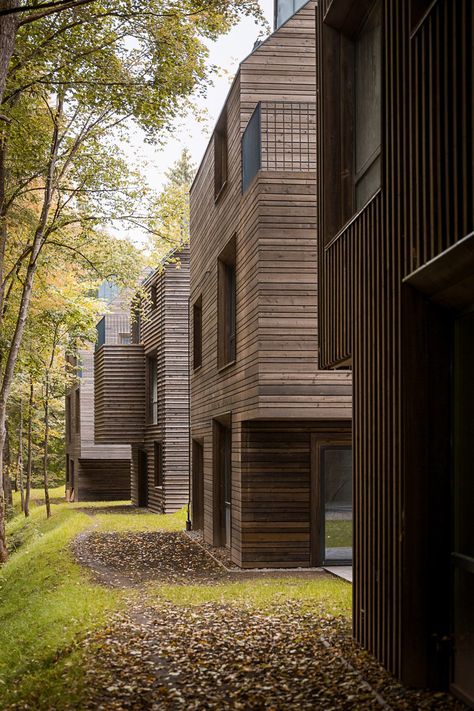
(3, 538)
(8, 30)
(19, 461)
(29, 463)
(7, 482)
(46, 446)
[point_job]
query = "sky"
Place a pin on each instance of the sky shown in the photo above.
(227, 52)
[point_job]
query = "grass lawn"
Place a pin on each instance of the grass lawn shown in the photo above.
(48, 602)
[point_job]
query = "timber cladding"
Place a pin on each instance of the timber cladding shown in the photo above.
(164, 336)
(95, 471)
(372, 315)
(267, 233)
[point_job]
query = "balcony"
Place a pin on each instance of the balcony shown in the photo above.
(280, 136)
(119, 394)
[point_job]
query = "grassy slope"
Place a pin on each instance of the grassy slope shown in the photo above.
(47, 601)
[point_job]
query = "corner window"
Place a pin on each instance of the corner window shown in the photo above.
(227, 296)
(197, 333)
(220, 155)
(158, 464)
(351, 110)
(152, 378)
(284, 9)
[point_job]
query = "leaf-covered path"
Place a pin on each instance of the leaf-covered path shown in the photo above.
(195, 636)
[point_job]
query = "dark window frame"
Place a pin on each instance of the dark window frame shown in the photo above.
(153, 296)
(77, 411)
(158, 478)
(227, 305)
(136, 321)
(152, 392)
(197, 333)
(221, 166)
(341, 27)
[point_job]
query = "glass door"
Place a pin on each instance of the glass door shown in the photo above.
(336, 504)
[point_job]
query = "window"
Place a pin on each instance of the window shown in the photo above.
(226, 316)
(125, 339)
(77, 410)
(153, 296)
(220, 155)
(251, 149)
(351, 110)
(368, 129)
(152, 369)
(284, 9)
(158, 464)
(197, 333)
(136, 318)
(68, 418)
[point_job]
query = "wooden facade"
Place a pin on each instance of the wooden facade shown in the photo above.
(94, 471)
(142, 389)
(396, 294)
(259, 403)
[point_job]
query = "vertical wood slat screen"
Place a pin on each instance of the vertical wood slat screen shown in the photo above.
(424, 207)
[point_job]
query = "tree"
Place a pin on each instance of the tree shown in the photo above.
(78, 80)
(170, 225)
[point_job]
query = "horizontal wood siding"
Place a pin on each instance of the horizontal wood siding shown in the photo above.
(119, 394)
(164, 335)
(275, 374)
(276, 486)
(103, 480)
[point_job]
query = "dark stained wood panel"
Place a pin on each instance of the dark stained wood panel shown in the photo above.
(395, 338)
(119, 394)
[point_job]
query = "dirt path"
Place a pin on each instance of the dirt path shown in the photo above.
(215, 655)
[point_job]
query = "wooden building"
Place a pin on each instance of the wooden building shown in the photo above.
(95, 472)
(142, 389)
(396, 285)
(271, 432)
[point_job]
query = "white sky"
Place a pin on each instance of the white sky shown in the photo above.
(227, 52)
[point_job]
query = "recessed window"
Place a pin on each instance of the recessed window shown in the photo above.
(227, 296)
(197, 333)
(158, 464)
(153, 296)
(68, 418)
(77, 408)
(368, 127)
(351, 110)
(136, 319)
(152, 378)
(220, 155)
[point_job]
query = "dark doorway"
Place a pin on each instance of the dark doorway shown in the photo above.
(142, 478)
(222, 434)
(463, 507)
(197, 492)
(331, 515)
